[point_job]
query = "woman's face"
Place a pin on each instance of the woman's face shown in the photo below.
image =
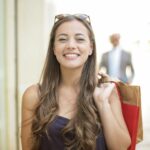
(72, 45)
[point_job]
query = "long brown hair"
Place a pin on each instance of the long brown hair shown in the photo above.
(86, 124)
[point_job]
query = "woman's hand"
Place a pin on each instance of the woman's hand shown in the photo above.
(103, 92)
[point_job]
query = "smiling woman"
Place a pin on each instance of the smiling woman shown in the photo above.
(66, 109)
(72, 45)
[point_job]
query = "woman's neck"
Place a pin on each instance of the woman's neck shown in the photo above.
(70, 77)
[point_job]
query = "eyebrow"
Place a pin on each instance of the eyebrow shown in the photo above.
(64, 34)
(78, 34)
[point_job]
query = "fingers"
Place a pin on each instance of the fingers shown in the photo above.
(107, 84)
(109, 88)
(99, 76)
(103, 75)
(102, 78)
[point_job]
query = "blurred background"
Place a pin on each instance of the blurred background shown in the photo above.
(24, 33)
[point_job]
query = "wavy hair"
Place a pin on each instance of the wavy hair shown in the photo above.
(85, 125)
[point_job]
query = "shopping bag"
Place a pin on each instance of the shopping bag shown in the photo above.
(130, 98)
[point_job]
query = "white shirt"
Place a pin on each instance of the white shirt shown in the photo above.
(114, 61)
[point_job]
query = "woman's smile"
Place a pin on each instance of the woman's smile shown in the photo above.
(71, 56)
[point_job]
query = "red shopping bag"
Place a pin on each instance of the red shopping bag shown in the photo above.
(130, 98)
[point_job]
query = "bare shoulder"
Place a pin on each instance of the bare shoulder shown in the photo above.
(31, 96)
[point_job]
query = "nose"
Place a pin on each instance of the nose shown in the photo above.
(71, 44)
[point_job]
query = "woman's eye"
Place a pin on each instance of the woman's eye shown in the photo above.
(80, 39)
(62, 39)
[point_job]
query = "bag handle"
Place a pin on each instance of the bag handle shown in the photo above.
(104, 78)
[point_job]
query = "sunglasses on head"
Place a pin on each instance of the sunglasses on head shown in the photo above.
(80, 16)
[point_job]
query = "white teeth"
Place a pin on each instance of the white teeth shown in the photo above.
(71, 55)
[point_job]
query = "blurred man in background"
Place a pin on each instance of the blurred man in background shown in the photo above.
(117, 62)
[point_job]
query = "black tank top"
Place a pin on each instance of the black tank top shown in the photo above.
(56, 142)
